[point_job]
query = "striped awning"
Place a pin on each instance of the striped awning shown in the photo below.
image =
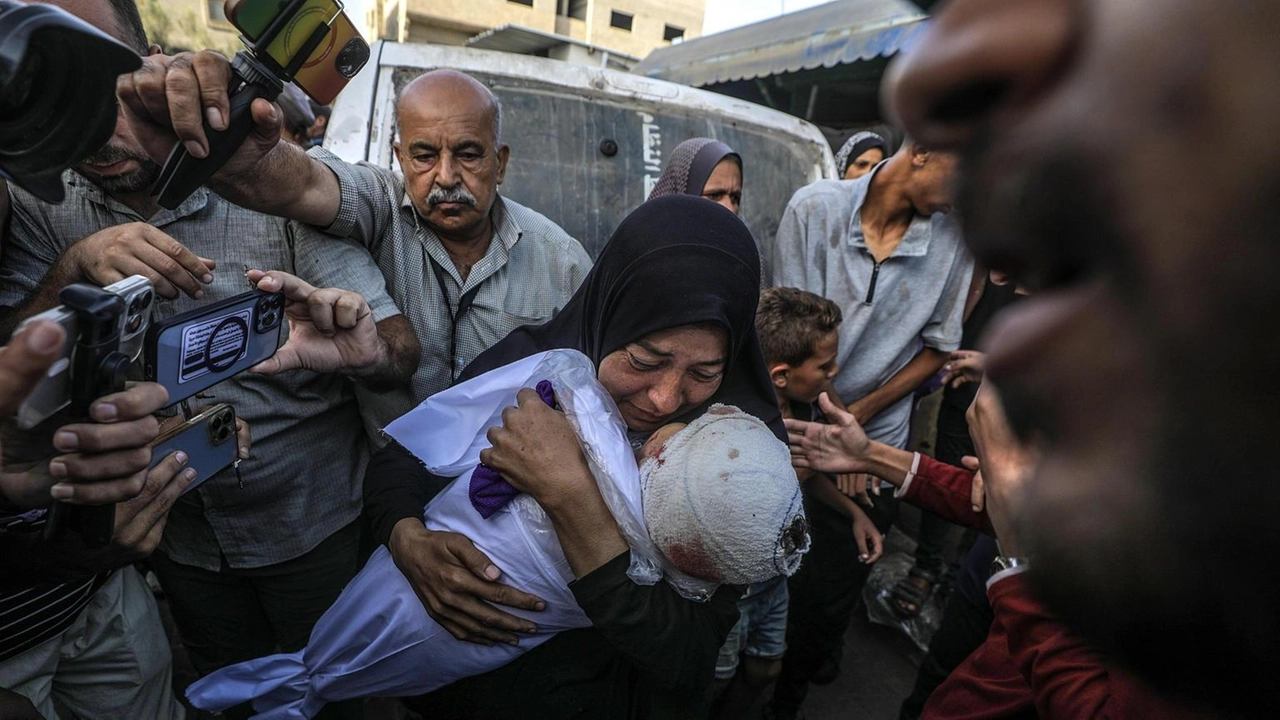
(837, 33)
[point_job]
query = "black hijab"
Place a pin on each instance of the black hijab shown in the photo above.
(676, 260)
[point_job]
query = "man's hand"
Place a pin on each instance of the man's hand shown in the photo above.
(23, 362)
(168, 99)
(330, 330)
(963, 366)
(136, 248)
(867, 536)
(859, 486)
(1006, 464)
(101, 463)
(456, 584)
(140, 521)
(838, 447)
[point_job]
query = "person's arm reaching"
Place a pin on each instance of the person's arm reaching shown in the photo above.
(923, 366)
(169, 98)
(842, 446)
(106, 257)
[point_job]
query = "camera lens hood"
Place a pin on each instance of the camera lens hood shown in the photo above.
(57, 93)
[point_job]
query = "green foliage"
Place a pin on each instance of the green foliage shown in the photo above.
(184, 26)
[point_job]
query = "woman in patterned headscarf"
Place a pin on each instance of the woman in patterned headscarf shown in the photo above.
(859, 154)
(703, 167)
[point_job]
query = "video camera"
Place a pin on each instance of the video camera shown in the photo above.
(310, 43)
(57, 93)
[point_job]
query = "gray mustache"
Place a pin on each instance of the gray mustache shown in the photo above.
(454, 195)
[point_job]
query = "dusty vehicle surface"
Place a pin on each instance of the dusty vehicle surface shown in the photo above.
(587, 144)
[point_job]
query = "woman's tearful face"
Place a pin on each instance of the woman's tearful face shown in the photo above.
(665, 374)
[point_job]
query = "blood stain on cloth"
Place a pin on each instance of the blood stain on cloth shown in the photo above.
(692, 558)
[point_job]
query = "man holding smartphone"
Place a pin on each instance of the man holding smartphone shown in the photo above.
(249, 560)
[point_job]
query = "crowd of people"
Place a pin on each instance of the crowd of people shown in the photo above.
(1094, 310)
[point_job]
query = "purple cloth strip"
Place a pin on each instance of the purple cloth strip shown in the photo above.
(488, 491)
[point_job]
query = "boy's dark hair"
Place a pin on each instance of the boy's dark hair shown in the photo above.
(790, 322)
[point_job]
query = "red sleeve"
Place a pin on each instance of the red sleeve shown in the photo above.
(1068, 679)
(945, 490)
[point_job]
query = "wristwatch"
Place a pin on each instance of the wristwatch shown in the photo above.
(1002, 563)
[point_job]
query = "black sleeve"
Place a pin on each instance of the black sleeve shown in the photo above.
(28, 560)
(671, 640)
(397, 486)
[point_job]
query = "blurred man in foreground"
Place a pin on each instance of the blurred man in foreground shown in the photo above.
(1141, 364)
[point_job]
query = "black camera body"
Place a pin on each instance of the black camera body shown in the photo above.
(57, 93)
(98, 368)
(54, 392)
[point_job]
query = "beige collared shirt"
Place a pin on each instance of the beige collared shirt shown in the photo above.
(529, 272)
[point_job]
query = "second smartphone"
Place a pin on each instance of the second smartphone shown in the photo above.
(208, 439)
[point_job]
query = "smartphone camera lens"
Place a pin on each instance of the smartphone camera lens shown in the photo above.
(351, 58)
(219, 428)
(269, 320)
(145, 300)
(135, 322)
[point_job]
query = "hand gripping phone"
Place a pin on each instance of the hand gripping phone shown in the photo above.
(194, 351)
(97, 368)
(308, 42)
(53, 392)
(208, 439)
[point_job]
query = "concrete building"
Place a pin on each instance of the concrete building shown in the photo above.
(597, 32)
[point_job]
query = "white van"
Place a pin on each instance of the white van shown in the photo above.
(587, 144)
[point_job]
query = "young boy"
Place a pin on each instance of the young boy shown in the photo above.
(799, 336)
(714, 502)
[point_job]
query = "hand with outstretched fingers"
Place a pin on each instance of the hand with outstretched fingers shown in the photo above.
(330, 330)
(838, 446)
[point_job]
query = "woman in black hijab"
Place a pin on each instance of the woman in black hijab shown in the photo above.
(667, 314)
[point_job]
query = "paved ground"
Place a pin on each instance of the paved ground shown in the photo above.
(878, 669)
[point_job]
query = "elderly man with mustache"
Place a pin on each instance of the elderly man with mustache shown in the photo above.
(464, 264)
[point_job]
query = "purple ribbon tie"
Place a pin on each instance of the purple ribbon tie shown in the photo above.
(488, 491)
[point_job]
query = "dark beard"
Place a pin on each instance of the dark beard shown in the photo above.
(137, 181)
